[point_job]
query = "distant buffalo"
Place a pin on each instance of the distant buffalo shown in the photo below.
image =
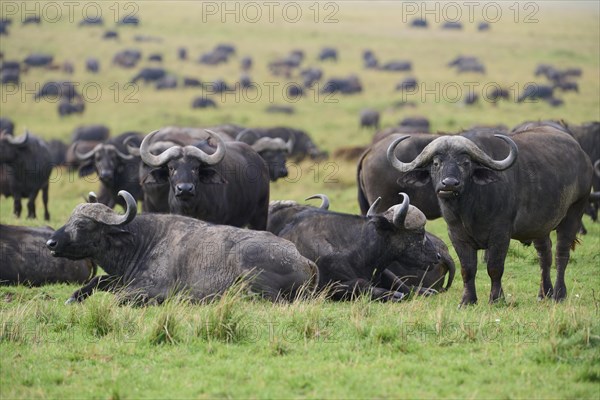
(369, 119)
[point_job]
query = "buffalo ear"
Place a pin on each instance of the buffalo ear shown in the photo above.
(158, 176)
(416, 178)
(87, 169)
(485, 176)
(211, 176)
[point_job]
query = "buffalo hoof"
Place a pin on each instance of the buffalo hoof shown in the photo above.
(545, 293)
(559, 294)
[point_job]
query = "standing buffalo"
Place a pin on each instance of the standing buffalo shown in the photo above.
(273, 151)
(25, 259)
(543, 184)
(353, 252)
(303, 144)
(369, 119)
(153, 256)
(227, 185)
(115, 167)
(27, 164)
(376, 178)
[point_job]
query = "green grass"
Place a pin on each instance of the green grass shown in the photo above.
(242, 347)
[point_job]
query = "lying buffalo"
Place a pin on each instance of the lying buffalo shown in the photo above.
(25, 259)
(154, 256)
(431, 278)
(488, 197)
(227, 184)
(353, 252)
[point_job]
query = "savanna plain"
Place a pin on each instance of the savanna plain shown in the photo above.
(243, 347)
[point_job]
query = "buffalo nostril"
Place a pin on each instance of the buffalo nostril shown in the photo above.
(185, 188)
(450, 182)
(51, 243)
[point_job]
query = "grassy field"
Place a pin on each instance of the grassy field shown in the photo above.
(241, 347)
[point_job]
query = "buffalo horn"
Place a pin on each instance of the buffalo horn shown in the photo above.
(372, 213)
(324, 200)
(160, 159)
(401, 210)
(209, 159)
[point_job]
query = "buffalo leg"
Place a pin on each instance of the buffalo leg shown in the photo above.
(468, 269)
(45, 201)
(351, 289)
(544, 251)
(103, 282)
(31, 205)
(17, 206)
(566, 236)
(495, 267)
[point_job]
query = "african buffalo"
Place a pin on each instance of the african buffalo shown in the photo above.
(430, 278)
(227, 185)
(27, 164)
(149, 74)
(376, 178)
(488, 197)
(303, 144)
(347, 85)
(328, 53)
(25, 259)
(369, 119)
(127, 58)
(273, 151)
(352, 252)
(152, 256)
(63, 90)
(92, 65)
(38, 60)
(115, 167)
(98, 133)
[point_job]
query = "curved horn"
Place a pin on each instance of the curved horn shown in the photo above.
(21, 140)
(597, 168)
(421, 159)
(88, 155)
(245, 132)
(453, 142)
(101, 213)
(451, 269)
(158, 160)
(499, 165)
(400, 211)
(121, 155)
(209, 159)
(324, 200)
(133, 150)
(372, 213)
(290, 145)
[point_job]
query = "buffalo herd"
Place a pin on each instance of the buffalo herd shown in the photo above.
(208, 221)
